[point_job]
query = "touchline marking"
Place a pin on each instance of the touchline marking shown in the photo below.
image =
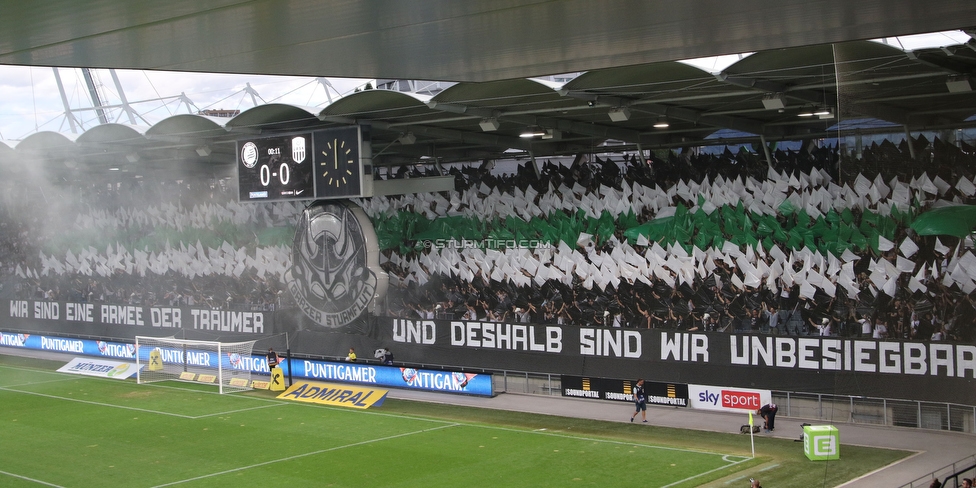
(32, 370)
(39, 382)
(96, 403)
(238, 411)
(298, 456)
(596, 439)
(32, 480)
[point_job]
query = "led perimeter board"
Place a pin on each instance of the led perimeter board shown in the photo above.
(301, 166)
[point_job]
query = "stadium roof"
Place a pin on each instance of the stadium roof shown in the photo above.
(608, 99)
(763, 94)
(474, 40)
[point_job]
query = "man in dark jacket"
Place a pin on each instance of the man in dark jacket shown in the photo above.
(768, 413)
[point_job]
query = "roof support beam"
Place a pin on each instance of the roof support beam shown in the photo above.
(592, 130)
(677, 113)
(767, 86)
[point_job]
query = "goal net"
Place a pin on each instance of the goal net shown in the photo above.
(225, 364)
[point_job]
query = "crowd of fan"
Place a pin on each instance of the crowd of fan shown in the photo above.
(23, 224)
(707, 304)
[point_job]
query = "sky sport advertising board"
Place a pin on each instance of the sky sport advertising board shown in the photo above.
(728, 399)
(386, 376)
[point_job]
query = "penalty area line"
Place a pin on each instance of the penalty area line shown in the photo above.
(32, 480)
(299, 456)
(733, 463)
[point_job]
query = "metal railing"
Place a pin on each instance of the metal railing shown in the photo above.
(951, 475)
(525, 382)
(878, 411)
(812, 406)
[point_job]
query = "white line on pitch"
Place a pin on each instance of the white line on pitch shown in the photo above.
(596, 439)
(96, 403)
(32, 383)
(297, 456)
(32, 480)
(703, 474)
(238, 410)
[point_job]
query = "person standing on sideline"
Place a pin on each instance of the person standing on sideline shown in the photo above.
(272, 359)
(640, 401)
(768, 413)
(351, 357)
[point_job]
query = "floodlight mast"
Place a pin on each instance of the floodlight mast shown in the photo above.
(99, 104)
(96, 97)
(125, 102)
(68, 114)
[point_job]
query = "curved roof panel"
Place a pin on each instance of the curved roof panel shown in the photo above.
(378, 104)
(666, 76)
(189, 125)
(274, 115)
(515, 95)
(46, 142)
(114, 134)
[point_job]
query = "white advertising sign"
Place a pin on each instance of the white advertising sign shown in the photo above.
(101, 368)
(727, 399)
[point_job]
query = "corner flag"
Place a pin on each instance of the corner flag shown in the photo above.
(752, 439)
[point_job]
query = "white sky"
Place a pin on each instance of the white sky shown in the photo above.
(30, 101)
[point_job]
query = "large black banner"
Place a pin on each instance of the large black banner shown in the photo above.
(127, 321)
(933, 371)
(929, 371)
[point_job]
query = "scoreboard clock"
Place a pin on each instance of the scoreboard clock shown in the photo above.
(302, 166)
(338, 169)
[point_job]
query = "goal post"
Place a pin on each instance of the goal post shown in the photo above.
(225, 364)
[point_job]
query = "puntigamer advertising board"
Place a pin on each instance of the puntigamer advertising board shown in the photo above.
(372, 374)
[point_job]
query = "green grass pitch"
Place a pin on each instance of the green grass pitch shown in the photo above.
(74, 431)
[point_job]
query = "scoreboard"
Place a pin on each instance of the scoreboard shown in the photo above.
(301, 166)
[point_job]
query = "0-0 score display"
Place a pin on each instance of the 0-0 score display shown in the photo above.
(276, 168)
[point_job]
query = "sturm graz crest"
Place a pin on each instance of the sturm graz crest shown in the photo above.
(330, 278)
